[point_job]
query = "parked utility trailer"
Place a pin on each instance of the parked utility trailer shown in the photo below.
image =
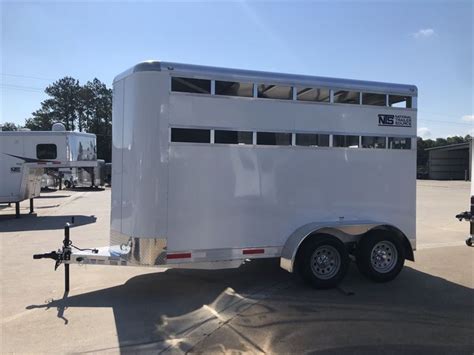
(214, 166)
(26, 155)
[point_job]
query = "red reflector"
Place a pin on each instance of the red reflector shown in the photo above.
(253, 251)
(179, 256)
(56, 162)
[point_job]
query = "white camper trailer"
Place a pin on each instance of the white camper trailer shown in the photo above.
(24, 155)
(215, 166)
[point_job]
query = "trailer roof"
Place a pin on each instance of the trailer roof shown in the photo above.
(270, 77)
(455, 146)
(45, 133)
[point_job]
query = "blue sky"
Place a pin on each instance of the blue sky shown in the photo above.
(429, 44)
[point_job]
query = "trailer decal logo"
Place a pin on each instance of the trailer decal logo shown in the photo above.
(394, 120)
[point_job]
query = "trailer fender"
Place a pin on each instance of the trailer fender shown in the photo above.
(346, 232)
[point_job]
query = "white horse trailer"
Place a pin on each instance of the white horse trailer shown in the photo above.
(214, 166)
(25, 155)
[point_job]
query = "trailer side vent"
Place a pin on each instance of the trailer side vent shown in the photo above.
(345, 141)
(312, 94)
(272, 138)
(275, 92)
(400, 101)
(189, 135)
(232, 137)
(233, 88)
(399, 142)
(312, 140)
(374, 99)
(373, 142)
(346, 97)
(196, 86)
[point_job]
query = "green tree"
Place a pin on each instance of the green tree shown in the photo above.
(9, 126)
(97, 115)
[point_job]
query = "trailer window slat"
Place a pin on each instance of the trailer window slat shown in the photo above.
(190, 135)
(400, 101)
(312, 94)
(373, 142)
(312, 140)
(191, 85)
(348, 141)
(399, 142)
(273, 138)
(346, 97)
(278, 92)
(374, 99)
(234, 88)
(232, 137)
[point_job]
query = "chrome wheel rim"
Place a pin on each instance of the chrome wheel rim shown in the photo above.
(384, 256)
(325, 262)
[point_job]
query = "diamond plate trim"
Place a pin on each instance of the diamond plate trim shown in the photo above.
(140, 251)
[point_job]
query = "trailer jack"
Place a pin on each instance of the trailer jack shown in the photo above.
(468, 217)
(61, 255)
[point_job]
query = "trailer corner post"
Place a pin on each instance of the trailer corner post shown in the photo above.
(31, 206)
(17, 209)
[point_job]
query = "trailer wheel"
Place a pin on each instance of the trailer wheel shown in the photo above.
(380, 256)
(67, 184)
(323, 262)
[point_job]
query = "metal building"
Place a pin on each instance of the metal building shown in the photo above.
(449, 162)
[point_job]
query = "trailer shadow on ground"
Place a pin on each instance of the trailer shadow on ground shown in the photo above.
(26, 222)
(260, 307)
(85, 189)
(52, 196)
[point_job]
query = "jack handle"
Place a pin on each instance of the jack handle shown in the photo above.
(464, 215)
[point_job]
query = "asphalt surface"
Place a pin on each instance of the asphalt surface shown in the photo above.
(258, 308)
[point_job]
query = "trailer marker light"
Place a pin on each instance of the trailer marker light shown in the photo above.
(179, 256)
(253, 251)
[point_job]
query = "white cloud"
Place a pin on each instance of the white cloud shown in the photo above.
(468, 118)
(424, 33)
(424, 132)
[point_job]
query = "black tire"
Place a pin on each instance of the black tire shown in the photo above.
(380, 256)
(469, 242)
(336, 260)
(67, 184)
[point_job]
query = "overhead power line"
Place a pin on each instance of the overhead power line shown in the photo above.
(26, 76)
(21, 88)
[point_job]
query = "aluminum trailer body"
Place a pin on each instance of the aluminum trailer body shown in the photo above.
(24, 155)
(213, 166)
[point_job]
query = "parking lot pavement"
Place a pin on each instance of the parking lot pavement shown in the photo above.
(437, 204)
(259, 307)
